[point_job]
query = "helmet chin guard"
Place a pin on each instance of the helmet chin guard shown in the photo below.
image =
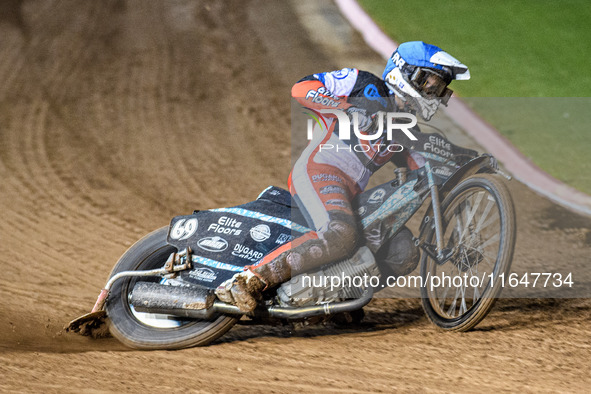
(414, 101)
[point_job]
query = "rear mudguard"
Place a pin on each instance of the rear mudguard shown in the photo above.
(480, 164)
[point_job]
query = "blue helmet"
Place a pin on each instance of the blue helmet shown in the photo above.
(419, 73)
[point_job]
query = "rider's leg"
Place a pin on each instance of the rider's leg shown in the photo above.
(324, 195)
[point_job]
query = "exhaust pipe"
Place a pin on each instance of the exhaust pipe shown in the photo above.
(200, 303)
(180, 301)
(323, 309)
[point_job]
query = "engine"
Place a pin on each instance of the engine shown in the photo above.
(330, 283)
(399, 256)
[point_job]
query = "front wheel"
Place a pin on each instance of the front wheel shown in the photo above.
(149, 330)
(478, 223)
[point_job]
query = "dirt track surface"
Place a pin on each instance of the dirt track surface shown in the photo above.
(117, 115)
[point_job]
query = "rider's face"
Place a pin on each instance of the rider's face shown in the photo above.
(432, 85)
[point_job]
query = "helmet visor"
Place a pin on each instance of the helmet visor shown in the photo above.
(431, 84)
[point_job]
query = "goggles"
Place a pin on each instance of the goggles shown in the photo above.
(431, 84)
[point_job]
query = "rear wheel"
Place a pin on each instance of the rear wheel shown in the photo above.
(155, 331)
(478, 220)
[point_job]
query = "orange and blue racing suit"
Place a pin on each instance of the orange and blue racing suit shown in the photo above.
(329, 174)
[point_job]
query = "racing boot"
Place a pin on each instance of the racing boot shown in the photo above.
(244, 289)
(305, 253)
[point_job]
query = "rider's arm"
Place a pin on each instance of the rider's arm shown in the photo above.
(327, 90)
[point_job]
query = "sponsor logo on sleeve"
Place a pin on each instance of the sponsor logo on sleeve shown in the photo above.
(213, 244)
(323, 96)
(341, 74)
(372, 93)
(260, 233)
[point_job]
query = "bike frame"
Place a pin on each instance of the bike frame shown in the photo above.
(410, 196)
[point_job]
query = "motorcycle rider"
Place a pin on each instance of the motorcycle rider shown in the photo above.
(323, 182)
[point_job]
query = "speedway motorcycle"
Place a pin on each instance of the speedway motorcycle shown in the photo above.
(160, 294)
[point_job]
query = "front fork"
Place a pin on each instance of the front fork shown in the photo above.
(436, 210)
(440, 254)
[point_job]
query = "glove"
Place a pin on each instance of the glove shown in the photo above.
(426, 107)
(364, 121)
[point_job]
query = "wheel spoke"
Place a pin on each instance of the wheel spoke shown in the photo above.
(495, 238)
(471, 213)
(452, 309)
(466, 257)
(492, 219)
(459, 225)
(463, 307)
(443, 297)
(483, 255)
(484, 215)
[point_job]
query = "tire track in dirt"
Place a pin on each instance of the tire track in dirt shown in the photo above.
(74, 168)
(117, 115)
